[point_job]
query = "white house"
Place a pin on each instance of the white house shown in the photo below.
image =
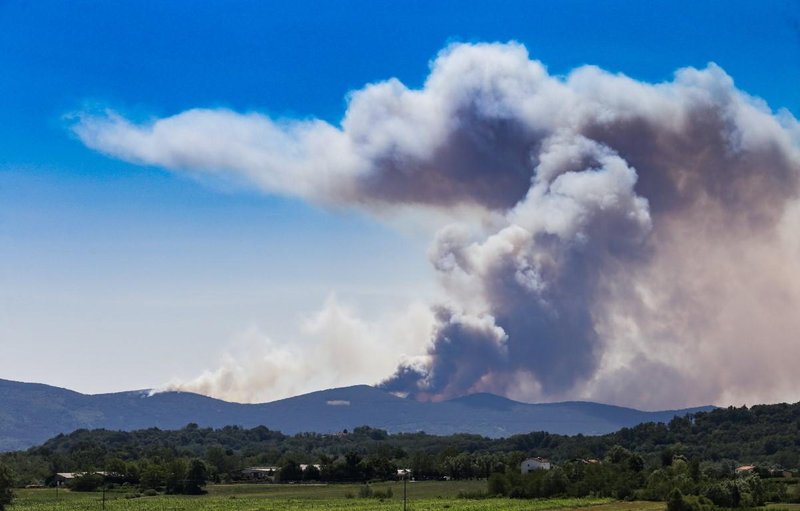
(531, 464)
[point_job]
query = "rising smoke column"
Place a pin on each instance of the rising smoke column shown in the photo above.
(623, 238)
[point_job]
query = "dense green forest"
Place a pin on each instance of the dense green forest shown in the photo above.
(693, 455)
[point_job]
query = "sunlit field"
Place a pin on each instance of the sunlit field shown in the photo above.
(422, 496)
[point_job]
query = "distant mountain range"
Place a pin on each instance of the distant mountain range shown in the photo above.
(31, 413)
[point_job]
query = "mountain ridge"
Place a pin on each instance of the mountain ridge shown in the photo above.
(31, 413)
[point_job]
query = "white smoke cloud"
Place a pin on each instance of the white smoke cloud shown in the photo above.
(337, 349)
(630, 242)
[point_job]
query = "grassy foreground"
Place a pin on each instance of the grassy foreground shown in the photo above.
(422, 496)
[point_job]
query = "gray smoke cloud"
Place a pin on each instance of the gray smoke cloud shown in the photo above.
(624, 241)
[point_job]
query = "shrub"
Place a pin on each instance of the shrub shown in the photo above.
(365, 492)
(472, 495)
(6, 484)
(676, 502)
(87, 482)
(699, 503)
(385, 494)
(498, 484)
(740, 492)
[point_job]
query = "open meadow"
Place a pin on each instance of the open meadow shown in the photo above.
(422, 496)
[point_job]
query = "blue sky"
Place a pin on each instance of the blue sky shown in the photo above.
(115, 276)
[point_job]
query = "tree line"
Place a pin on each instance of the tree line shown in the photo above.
(685, 484)
(693, 455)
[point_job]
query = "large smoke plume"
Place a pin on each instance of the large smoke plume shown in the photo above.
(620, 240)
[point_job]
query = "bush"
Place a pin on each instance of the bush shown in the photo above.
(699, 503)
(676, 502)
(175, 471)
(6, 485)
(498, 484)
(385, 494)
(723, 494)
(472, 495)
(775, 491)
(152, 476)
(150, 493)
(740, 492)
(87, 482)
(312, 473)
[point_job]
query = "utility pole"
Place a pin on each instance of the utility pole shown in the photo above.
(405, 489)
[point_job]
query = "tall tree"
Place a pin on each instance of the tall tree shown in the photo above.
(6, 487)
(196, 477)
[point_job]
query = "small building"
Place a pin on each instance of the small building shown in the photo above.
(404, 473)
(63, 478)
(260, 473)
(745, 469)
(531, 464)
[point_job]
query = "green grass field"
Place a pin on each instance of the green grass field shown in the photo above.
(422, 496)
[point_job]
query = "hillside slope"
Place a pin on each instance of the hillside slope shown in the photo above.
(31, 413)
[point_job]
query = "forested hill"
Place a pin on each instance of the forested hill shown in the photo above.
(767, 434)
(32, 413)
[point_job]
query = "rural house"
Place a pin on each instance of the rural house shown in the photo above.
(62, 478)
(531, 464)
